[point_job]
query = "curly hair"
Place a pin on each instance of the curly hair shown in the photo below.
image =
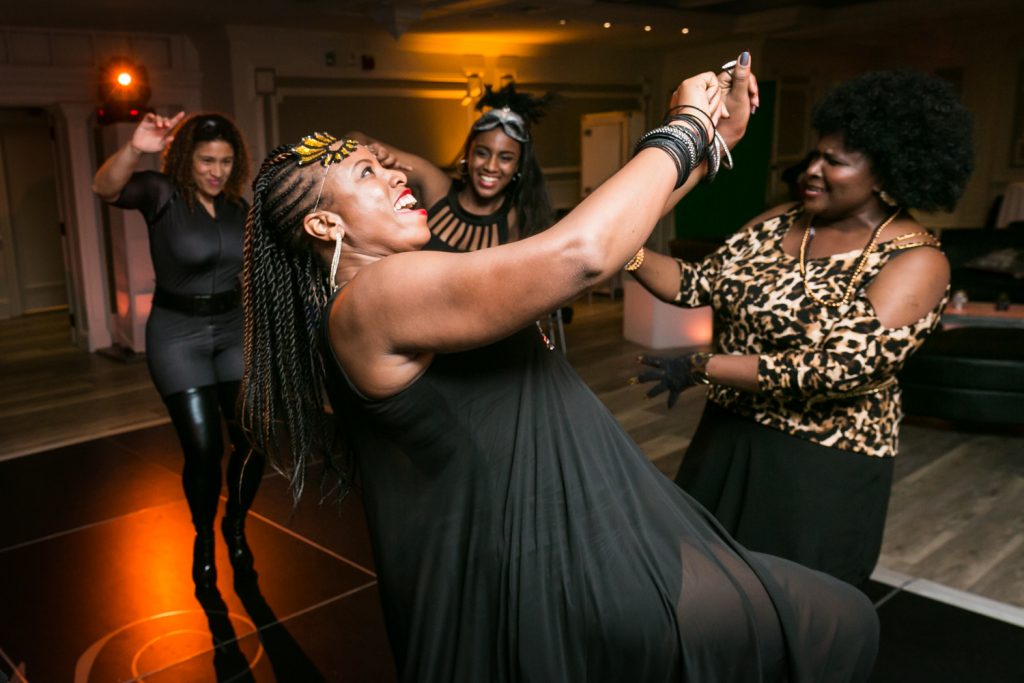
(285, 289)
(913, 129)
(194, 130)
(528, 193)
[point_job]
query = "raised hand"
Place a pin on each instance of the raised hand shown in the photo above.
(702, 92)
(741, 99)
(385, 157)
(154, 132)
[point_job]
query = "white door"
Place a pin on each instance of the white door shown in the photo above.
(32, 260)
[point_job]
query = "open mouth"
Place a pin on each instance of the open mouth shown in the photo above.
(406, 202)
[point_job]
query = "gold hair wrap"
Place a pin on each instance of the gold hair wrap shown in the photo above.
(317, 147)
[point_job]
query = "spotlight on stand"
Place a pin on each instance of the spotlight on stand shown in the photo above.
(123, 92)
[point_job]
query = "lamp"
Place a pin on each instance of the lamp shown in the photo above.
(123, 91)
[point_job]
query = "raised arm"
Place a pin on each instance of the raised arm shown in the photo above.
(432, 181)
(152, 135)
(407, 307)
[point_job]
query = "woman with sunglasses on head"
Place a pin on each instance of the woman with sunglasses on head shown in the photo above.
(518, 533)
(196, 216)
(499, 196)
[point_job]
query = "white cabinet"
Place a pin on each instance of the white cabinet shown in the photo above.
(606, 144)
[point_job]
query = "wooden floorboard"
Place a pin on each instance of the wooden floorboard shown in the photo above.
(956, 516)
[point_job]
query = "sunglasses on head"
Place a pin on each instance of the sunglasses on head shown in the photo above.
(511, 123)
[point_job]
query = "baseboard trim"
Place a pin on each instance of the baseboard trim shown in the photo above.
(950, 596)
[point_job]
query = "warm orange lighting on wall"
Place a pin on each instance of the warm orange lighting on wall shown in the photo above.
(474, 89)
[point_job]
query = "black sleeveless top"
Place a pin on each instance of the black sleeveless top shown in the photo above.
(452, 228)
(519, 534)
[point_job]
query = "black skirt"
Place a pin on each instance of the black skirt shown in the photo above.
(778, 494)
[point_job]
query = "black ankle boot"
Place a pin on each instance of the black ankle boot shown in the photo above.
(204, 571)
(238, 549)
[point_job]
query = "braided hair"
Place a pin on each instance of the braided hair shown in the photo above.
(285, 289)
(176, 162)
(529, 194)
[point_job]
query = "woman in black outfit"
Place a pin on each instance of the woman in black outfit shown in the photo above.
(196, 217)
(519, 534)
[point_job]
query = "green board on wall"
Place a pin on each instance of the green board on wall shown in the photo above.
(714, 211)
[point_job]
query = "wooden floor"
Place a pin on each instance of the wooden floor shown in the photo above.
(956, 516)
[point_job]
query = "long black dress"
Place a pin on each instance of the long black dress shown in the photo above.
(520, 535)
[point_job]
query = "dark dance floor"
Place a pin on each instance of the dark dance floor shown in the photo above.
(95, 553)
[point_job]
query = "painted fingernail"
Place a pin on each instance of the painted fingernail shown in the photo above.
(745, 58)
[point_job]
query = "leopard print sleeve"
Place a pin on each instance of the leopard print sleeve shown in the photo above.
(857, 354)
(698, 280)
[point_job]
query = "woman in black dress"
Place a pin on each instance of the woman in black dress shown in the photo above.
(518, 533)
(196, 216)
(499, 195)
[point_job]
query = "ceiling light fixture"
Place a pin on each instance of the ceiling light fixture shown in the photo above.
(607, 24)
(685, 31)
(647, 28)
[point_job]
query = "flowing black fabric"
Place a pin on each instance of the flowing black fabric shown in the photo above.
(788, 496)
(520, 535)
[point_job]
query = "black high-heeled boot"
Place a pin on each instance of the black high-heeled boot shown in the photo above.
(239, 552)
(204, 571)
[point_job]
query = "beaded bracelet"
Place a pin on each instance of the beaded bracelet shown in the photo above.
(635, 262)
(680, 143)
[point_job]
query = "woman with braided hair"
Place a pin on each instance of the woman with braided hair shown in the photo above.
(518, 533)
(196, 215)
(500, 195)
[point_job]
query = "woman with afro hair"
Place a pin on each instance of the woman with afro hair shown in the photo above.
(196, 217)
(817, 305)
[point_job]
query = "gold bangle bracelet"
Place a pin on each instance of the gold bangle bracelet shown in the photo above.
(635, 262)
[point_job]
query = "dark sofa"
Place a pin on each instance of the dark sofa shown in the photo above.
(978, 261)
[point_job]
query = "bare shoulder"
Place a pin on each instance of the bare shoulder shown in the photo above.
(771, 213)
(910, 285)
(359, 332)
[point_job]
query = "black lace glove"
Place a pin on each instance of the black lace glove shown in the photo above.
(673, 375)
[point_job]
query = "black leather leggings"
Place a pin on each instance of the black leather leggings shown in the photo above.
(196, 414)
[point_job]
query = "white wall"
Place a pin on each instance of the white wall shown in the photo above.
(57, 70)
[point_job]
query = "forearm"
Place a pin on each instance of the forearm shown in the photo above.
(691, 182)
(659, 275)
(739, 372)
(115, 172)
(615, 220)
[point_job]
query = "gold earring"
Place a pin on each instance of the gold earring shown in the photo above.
(887, 198)
(334, 261)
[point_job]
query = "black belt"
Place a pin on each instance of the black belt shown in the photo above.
(198, 304)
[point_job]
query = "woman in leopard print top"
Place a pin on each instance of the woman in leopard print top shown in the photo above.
(817, 306)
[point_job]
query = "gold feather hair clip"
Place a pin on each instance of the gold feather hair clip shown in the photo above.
(317, 147)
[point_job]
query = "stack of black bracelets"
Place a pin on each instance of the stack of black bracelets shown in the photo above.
(688, 145)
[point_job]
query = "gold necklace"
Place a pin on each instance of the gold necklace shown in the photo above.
(861, 263)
